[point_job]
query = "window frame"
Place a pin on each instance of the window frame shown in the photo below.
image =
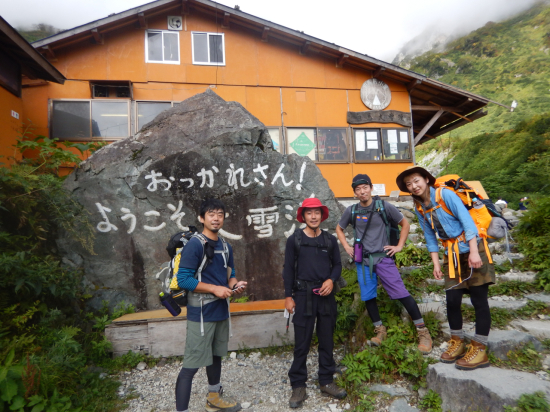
(348, 146)
(147, 46)
(136, 113)
(381, 143)
(196, 63)
(91, 138)
(281, 144)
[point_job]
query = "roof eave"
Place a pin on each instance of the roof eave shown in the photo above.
(43, 68)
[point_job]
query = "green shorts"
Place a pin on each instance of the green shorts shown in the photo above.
(481, 276)
(199, 350)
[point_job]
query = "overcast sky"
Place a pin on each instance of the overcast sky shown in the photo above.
(377, 28)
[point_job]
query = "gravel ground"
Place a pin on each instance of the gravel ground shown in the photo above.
(259, 383)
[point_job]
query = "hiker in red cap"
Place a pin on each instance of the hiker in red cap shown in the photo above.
(312, 267)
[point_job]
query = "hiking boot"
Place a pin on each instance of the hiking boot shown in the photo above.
(456, 350)
(424, 341)
(214, 402)
(333, 390)
(381, 335)
(299, 395)
(476, 357)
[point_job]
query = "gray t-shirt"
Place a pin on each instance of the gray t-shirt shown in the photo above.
(376, 237)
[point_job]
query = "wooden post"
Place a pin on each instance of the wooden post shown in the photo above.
(265, 34)
(341, 60)
(226, 17)
(142, 21)
(378, 72)
(305, 47)
(427, 126)
(97, 36)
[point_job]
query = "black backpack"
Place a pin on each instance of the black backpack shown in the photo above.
(341, 282)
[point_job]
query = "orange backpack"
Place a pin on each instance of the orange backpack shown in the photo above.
(472, 200)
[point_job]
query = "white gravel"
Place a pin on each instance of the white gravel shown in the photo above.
(258, 382)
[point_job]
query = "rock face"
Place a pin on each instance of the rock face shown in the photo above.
(143, 189)
(487, 389)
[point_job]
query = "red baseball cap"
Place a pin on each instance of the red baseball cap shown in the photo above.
(310, 203)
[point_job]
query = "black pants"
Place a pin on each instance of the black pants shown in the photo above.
(478, 295)
(185, 382)
(324, 312)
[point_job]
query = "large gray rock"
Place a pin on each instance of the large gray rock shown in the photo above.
(141, 190)
(540, 329)
(487, 389)
(503, 341)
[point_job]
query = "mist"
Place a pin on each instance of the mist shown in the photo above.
(379, 29)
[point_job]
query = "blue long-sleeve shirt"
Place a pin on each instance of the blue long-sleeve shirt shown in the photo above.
(460, 221)
(187, 281)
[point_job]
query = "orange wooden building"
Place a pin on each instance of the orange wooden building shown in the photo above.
(18, 60)
(349, 112)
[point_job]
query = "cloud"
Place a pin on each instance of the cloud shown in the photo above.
(372, 27)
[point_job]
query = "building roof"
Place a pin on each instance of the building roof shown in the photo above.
(33, 64)
(436, 107)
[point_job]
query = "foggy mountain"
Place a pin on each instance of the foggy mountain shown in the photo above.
(437, 37)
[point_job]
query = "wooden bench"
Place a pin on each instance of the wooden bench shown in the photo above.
(159, 334)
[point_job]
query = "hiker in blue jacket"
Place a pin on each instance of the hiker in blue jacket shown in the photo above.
(210, 258)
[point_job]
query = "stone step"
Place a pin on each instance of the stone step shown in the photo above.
(528, 277)
(499, 259)
(487, 389)
(504, 304)
(502, 341)
(541, 297)
(540, 329)
(391, 390)
(401, 405)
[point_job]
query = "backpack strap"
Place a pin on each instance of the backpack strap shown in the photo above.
(328, 242)
(297, 245)
(379, 207)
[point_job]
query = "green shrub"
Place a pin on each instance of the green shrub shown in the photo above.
(431, 402)
(412, 255)
(531, 402)
(525, 358)
(534, 237)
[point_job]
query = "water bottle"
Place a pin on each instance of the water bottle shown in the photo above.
(170, 304)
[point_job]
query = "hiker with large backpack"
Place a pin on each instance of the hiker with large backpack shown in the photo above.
(450, 208)
(374, 246)
(312, 267)
(207, 271)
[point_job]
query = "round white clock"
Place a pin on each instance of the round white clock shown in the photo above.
(375, 94)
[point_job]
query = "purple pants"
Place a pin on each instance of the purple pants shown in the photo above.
(389, 277)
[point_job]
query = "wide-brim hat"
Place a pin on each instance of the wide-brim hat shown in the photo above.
(311, 203)
(400, 180)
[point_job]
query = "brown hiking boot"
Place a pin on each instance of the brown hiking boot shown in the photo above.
(476, 357)
(299, 395)
(381, 335)
(424, 341)
(214, 402)
(333, 390)
(455, 350)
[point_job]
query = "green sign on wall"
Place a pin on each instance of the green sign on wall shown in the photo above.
(302, 145)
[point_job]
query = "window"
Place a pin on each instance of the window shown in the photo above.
(332, 145)
(208, 48)
(87, 120)
(147, 111)
(162, 47)
(396, 144)
(302, 142)
(373, 145)
(275, 134)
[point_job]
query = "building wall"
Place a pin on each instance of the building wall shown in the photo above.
(271, 79)
(10, 126)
